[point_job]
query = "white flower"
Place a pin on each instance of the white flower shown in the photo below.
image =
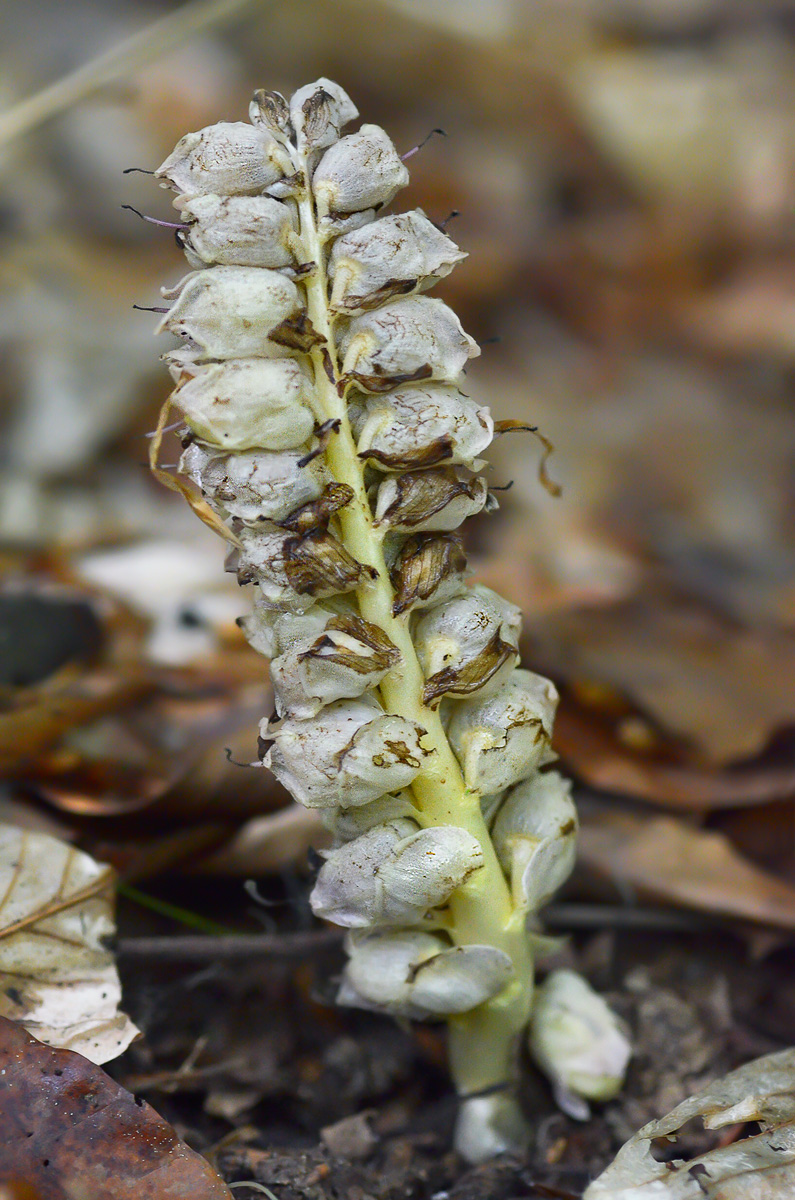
(391, 256)
(416, 975)
(255, 484)
(339, 657)
(576, 1041)
(393, 874)
(467, 644)
(415, 336)
(362, 170)
(351, 753)
(501, 737)
(228, 312)
(423, 425)
(247, 403)
(535, 836)
(227, 159)
(318, 112)
(248, 231)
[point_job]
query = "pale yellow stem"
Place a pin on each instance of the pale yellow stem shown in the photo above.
(482, 1042)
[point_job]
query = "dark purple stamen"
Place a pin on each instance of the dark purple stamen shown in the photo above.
(155, 221)
(450, 217)
(150, 308)
(409, 153)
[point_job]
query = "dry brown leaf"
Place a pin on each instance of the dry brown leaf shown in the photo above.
(56, 975)
(667, 860)
(592, 747)
(723, 691)
(34, 718)
(70, 1131)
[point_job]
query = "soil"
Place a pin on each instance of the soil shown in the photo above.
(255, 1067)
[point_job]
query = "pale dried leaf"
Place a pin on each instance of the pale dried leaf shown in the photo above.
(761, 1167)
(56, 976)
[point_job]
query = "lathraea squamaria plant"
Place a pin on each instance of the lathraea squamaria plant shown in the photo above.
(329, 439)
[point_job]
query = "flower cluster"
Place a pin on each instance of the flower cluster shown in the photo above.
(328, 429)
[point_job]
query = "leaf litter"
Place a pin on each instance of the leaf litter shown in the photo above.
(68, 1130)
(760, 1166)
(57, 976)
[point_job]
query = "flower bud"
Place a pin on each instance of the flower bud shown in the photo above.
(344, 824)
(359, 171)
(247, 231)
(247, 403)
(228, 312)
(254, 485)
(261, 626)
(417, 975)
(270, 111)
(422, 426)
(227, 159)
(393, 874)
(490, 1125)
(535, 836)
(576, 1041)
(391, 256)
(467, 644)
(343, 658)
(413, 338)
(434, 501)
(500, 738)
(318, 112)
(351, 753)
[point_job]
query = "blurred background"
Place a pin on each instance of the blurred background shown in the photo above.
(624, 176)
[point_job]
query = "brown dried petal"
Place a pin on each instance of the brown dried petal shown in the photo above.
(421, 456)
(385, 383)
(316, 564)
(424, 562)
(270, 110)
(383, 654)
(420, 497)
(469, 678)
(297, 333)
(317, 513)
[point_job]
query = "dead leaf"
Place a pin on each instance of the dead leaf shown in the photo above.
(720, 689)
(35, 717)
(56, 976)
(760, 1167)
(592, 744)
(73, 1133)
(667, 860)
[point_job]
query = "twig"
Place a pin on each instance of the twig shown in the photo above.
(229, 949)
(616, 916)
(122, 59)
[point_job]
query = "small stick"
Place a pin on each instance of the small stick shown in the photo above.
(229, 949)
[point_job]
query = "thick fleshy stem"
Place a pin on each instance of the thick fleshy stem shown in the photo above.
(483, 1043)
